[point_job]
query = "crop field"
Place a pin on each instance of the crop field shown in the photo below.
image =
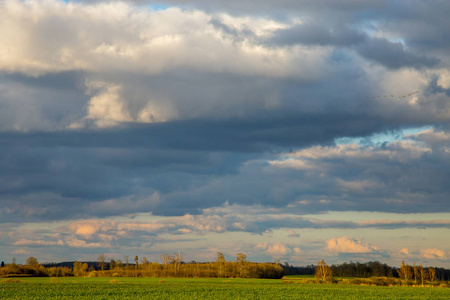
(172, 288)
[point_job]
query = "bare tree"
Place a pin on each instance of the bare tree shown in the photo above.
(144, 261)
(405, 271)
(166, 258)
(127, 261)
(177, 260)
(112, 264)
(241, 260)
(323, 271)
(119, 264)
(220, 261)
(415, 273)
(422, 273)
(101, 261)
(432, 274)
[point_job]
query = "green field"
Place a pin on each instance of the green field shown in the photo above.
(173, 288)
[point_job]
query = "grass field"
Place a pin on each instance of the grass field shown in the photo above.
(173, 288)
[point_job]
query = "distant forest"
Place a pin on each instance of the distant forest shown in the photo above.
(174, 266)
(361, 270)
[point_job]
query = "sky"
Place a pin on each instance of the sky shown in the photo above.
(294, 130)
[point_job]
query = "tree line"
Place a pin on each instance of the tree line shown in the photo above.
(170, 266)
(367, 270)
(377, 269)
(375, 273)
(174, 266)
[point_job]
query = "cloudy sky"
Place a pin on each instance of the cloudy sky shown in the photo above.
(295, 130)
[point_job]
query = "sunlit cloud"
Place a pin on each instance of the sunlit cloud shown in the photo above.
(278, 250)
(21, 251)
(405, 251)
(349, 245)
(433, 253)
(25, 242)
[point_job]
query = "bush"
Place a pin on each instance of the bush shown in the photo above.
(92, 274)
(114, 281)
(380, 281)
(12, 280)
(355, 281)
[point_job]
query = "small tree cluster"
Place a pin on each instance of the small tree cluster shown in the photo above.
(418, 273)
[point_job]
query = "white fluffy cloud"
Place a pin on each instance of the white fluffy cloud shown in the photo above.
(51, 36)
(355, 151)
(404, 251)
(433, 253)
(278, 250)
(105, 108)
(113, 229)
(112, 42)
(109, 41)
(349, 245)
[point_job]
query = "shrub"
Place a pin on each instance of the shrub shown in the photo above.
(92, 274)
(114, 281)
(12, 280)
(380, 281)
(355, 281)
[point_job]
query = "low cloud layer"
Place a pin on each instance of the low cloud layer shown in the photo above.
(396, 176)
(200, 237)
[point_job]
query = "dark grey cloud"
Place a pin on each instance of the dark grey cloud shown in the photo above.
(419, 25)
(434, 88)
(391, 177)
(197, 164)
(259, 225)
(78, 178)
(394, 55)
(271, 7)
(317, 34)
(46, 102)
(71, 81)
(237, 35)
